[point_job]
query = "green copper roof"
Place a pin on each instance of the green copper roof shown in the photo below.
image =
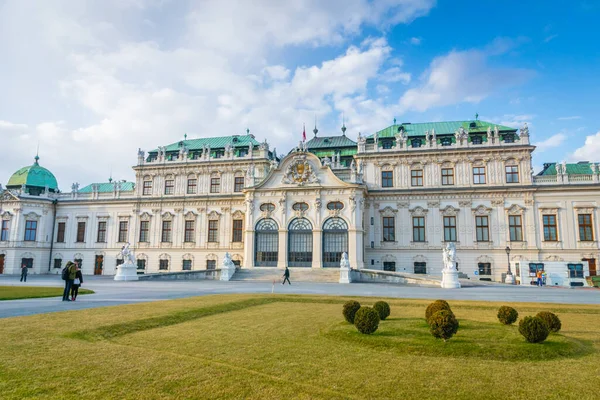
(213, 142)
(581, 168)
(109, 187)
(34, 176)
(441, 128)
(329, 152)
(328, 142)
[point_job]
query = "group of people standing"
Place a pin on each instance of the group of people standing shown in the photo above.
(73, 280)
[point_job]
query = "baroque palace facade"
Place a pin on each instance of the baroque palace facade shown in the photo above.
(391, 200)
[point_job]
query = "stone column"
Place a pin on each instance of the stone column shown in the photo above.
(317, 248)
(283, 246)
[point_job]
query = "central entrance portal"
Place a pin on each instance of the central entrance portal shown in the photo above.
(300, 243)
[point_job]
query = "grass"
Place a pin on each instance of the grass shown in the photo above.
(32, 292)
(271, 347)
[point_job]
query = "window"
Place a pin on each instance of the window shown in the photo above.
(416, 143)
(509, 138)
(515, 228)
(575, 270)
(237, 230)
(335, 205)
(420, 268)
(57, 263)
(387, 144)
(80, 232)
(123, 231)
(166, 232)
(416, 177)
(213, 230)
(476, 140)
(485, 268)
(389, 266)
(188, 234)
(243, 153)
(238, 184)
(387, 179)
(192, 186)
(147, 188)
(30, 231)
(534, 267)
(215, 185)
(28, 262)
(389, 234)
(450, 229)
(141, 266)
(586, 233)
(300, 207)
(211, 264)
(60, 234)
(482, 229)
(550, 230)
(446, 141)
(4, 233)
(163, 265)
(144, 231)
(478, 175)
(447, 176)
(101, 237)
(512, 173)
(187, 265)
(169, 186)
(418, 229)
(267, 207)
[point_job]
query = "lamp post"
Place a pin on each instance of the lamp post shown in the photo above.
(510, 279)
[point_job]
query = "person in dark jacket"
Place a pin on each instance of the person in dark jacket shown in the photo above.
(76, 284)
(286, 276)
(72, 267)
(24, 273)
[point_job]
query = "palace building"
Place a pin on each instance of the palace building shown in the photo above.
(391, 200)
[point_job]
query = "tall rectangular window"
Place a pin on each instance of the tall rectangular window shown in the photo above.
(213, 230)
(450, 229)
(166, 232)
(144, 231)
(80, 232)
(123, 231)
(512, 173)
(163, 265)
(188, 235)
(141, 266)
(420, 268)
(387, 179)
(169, 186)
(60, 232)
(389, 233)
(575, 270)
(237, 230)
(416, 177)
(447, 176)
(215, 185)
(101, 237)
(478, 175)
(482, 229)
(550, 229)
(4, 233)
(418, 229)
(57, 263)
(192, 186)
(586, 232)
(30, 231)
(515, 228)
(238, 184)
(147, 188)
(187, 265)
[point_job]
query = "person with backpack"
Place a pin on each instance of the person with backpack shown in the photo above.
(68, 275)
(76, 284)
(286, 276)
(24, 273)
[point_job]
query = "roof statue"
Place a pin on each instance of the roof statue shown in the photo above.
(75, 187)
(496, 131)
(524, 130)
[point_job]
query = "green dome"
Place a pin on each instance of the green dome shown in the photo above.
(33, 177)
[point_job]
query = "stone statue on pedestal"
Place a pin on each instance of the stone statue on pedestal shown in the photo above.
(227, 268)
(345, 273)
(128, 270)
(449, 273)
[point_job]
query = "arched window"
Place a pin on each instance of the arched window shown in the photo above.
(300, 243)
(267, 243)
(335, 241)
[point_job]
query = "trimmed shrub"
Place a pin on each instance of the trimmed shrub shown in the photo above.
(383, 309)
(366, 320)
(350, 309)
(507, 315)
(443, 324)
(551, 320)
(534, 329)
(436, 306)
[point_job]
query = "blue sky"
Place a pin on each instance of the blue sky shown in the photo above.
(92, 81)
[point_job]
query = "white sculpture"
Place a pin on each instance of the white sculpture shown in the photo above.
(128, 270)
(450, 273)
(345, 272)
(227, 268)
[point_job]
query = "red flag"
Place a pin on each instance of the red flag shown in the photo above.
(303, 133)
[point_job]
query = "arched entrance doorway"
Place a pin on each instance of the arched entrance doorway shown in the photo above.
(335, 241)
(267, 243)
(300, 243)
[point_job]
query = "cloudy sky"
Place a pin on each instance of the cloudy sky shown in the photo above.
(91, 81)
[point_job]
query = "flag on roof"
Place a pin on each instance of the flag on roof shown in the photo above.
(303, 133)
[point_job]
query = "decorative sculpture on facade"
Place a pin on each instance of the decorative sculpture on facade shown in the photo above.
(449, 257)
(524, 131)
(299, 172)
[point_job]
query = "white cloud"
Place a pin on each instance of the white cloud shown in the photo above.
(553, 141)
(549, 38)
(415, 41)
(395, 74)
(590, 151)
(569, 118)
(512, 120)
(10, 126)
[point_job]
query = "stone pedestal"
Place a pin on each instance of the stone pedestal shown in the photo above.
(345, 275)
(450, 279)
(127, 272)
(227, 272)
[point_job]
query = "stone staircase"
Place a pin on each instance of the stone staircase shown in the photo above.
(265, 274)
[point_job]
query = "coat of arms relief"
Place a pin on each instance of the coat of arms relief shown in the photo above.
(299, 172)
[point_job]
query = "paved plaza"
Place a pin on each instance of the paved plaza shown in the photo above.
(111, 293)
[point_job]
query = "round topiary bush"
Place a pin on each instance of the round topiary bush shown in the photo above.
(551, 320)
(350, 309)
(507, 315)
(436, 306)
(383, 309)
(534, 329)
(366, 320)
(443, 324)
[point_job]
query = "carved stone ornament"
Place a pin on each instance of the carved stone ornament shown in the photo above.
(145, 216)
(388, 212)
(482, 210)
(190, 215)
(465, 203)
(167, 216)
(433, 204)
(238, 214)
(299, 172)
(449, 211)
(515, 209)
(497, 202)
(585, 210)
(214, 215)
(418, 211)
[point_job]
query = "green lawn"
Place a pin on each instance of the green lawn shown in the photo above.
(31, 292)
(271, 347)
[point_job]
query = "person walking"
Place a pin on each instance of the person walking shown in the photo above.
(286, 276)
(24, 271)
(76, 284)
(539, 277)
(70, 277)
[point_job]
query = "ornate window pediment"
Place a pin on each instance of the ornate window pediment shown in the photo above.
(190, 215)
(549, 210)
(32, 216)
(449, 211)
(418, 211)
(585, 209)
(214, 215)
(164, 256)
(187, 256)
(211, 256)
(481, 210)
(167, 216)
(387, 167)
(515, 209)
(6, 215)
(145, 216)
(238, 214)
(388, 212)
